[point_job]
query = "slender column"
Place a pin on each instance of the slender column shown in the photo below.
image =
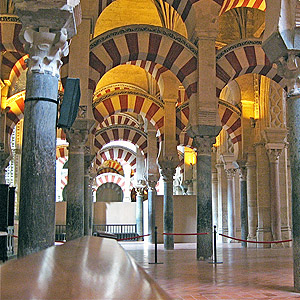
(88, 196)
(251, 195)
(214, 181)
(168, 172)
(243, 199)
(151, 209)
(37, 208)
(273, 155)
(75, 189)
(152, 178)
(203, 146)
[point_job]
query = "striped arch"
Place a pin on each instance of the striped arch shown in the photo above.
(19, 67)
(119, 119)
(62, 152)
(230, 119)
(183, 7)
(120, 154)
(182, 118)
(130, 101)
(10, 45)
(110, 166)
(110, 177)
(16, 111)
(121, 132)
(246, 57)
(64, 182)
(147, 43)
(230, 4)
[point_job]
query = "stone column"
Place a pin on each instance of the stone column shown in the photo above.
(243, 199)
(230, 169)
(168, 169)
(152, 175)
(88, 195)
(151, 209)
(77, 137)
(251, 196)
(203, 146)
(214, 181)
(140, 185)
(45, 42)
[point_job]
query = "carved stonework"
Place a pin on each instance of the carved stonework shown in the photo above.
(230, 173)
(204, 144)
(167, 168)
(242, 170)
(151, 184)
(77, 139)
(289, 68)
(274, 155)
(82, 111)
(45, 50)
(277, 106)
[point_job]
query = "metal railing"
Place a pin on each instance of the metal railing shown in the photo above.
(120, 230)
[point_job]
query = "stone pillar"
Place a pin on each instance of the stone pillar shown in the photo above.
(275, 143)
(151, 209)
(45, 42)
(168, 171)
(152, 175)
(203, 146)
(214, 181)
(88, 195)
(230, 169)
(77, 137)
(251, 196)
(243, 199)
(140, 185)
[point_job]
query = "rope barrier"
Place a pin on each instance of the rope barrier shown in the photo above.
(255, 242)
(170, 233)
(134, 237)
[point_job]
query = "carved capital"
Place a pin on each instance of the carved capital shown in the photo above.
(204, 144)
(289, 68)
(45, 49)
(167, 168)
(242, 170)
(230, 173)
(274, 155)
(151, 184)
(76, 138)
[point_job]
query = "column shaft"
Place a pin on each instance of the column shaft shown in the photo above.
(168, 214)
(244, 210)
(88, 205)
(204, 206)
(151, 213)
(140, 212)
(293, 109)
(231, 206)
(37, 192)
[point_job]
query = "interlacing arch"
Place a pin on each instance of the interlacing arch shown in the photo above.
(110, 177)
(230, 4)
(130, 101)
(110, 166)
(119, 118)
(246, 57)
(147, 43)
(230, 117)
(121, 132)
(117, 153)
(183, 7)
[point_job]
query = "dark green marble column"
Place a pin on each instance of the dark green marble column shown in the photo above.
(244, 203)
(293, 110)
(37, 191)
(151, 209)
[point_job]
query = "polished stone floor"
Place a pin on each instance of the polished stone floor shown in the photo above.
(244, 274)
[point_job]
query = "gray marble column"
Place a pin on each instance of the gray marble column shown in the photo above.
(88, 196)
(203, 146)
(230, 203)
(140, 210)
(168, 172)
(76, 137)
(38, 170)
(251, 196)
(244, 204)
(151, 209)
(214, 182)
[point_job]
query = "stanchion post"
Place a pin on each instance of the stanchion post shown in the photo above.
(215, 261)
(155, 247)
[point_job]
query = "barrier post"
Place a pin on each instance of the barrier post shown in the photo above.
(215, 261)
(155, 247)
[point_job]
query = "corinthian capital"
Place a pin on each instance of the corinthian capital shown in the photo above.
(289, 68)
(45, 49)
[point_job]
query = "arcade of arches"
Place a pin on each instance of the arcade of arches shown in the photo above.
(177, 98)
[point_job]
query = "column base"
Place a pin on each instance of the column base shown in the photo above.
(263, 235)
(252, 239)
